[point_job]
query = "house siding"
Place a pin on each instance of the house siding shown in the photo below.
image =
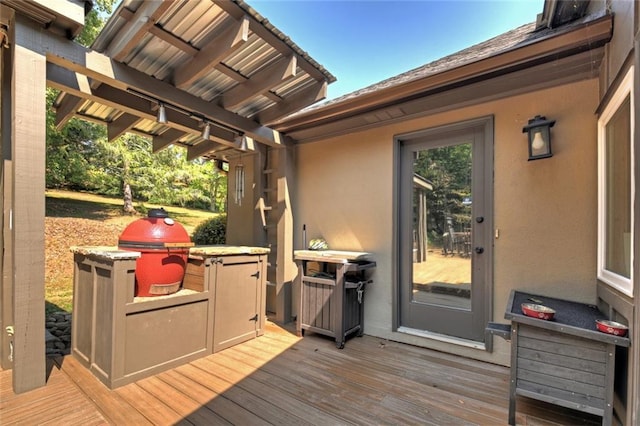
(545, 211)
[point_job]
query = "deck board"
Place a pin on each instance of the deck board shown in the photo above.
(284, 380)
(388, 388)
(60, 401)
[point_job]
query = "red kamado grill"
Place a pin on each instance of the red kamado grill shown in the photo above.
(164, 246)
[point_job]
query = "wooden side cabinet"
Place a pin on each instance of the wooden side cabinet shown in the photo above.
(565, 361)
(237, 284)
(332, 286)
(238, 287)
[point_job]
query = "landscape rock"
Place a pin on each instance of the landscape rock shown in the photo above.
(58, 334)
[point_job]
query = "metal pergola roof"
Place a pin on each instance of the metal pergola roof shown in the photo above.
(215, 62)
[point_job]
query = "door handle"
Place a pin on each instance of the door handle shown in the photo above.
(254, 318)
(479, 250)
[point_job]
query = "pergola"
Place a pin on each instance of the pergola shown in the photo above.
(208, 75)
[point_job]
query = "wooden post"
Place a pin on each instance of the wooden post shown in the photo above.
(286, 268)
(6, 186)
(28, 130)
(633, 397)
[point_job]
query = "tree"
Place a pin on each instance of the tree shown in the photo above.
(69, 149)
(94, 21)
(79, 157)
(449, 170)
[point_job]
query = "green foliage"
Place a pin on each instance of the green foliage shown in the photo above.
(94, 21)
(449, 170)
(69, 149)
(79, 157)
(212, 231)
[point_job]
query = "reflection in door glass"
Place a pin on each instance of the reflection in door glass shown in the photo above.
(442, 227)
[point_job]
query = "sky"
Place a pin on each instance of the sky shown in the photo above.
(363, 42)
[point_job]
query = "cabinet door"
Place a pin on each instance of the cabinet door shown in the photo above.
(237, 293)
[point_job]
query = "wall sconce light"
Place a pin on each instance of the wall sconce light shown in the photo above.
(206, 131)
(539, 135)
(162, 114)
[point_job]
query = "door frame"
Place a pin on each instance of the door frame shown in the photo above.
(486, 123)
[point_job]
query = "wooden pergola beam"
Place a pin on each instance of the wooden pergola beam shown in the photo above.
(121, 125)
(260, 82)
(261, 31)
(165, 139)
(187, 48)
(202, 148)
(233, 37)
(78, 85)
(311, 94)
(140, 23)
(100, 67)
(67, 109)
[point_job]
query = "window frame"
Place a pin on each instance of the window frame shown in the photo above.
(624, 90)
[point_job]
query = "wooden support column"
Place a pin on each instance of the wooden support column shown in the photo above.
(286, 267)
(6, 265)
(633, 398)
(28, 140)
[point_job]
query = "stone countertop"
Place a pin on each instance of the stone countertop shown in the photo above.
(222, 250)
(106, 252)
(113, 253)
(333, 256)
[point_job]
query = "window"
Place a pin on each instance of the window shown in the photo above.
(616, 188)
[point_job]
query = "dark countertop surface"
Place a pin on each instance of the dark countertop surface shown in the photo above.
(571, 317)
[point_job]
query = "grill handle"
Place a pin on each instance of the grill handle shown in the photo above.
(178, 245)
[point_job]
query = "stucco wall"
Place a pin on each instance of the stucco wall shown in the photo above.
(544, 211)
(617, 50)
(241, 214)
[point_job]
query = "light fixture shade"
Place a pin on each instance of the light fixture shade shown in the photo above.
(162, 114)
(206, 131)
(241, 142)
(539, 137)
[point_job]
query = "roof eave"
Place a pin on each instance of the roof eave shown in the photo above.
(590, 35)
(65, 18)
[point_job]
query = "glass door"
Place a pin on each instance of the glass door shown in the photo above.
(444, 234)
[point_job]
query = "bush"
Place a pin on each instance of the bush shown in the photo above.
(212, 231)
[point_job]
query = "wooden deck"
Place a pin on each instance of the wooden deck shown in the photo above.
(283, 380)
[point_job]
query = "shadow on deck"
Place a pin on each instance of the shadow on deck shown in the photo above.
(281, 379)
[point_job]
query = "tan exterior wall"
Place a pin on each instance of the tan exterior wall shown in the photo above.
(544, 211)
(621, 44)
(241, 214)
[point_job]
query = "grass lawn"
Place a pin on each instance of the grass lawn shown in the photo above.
(80, 219)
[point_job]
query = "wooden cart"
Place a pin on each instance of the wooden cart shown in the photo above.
(565, 361)
(332, 285)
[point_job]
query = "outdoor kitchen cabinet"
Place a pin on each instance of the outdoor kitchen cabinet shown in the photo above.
(238, 290)
(121, 338)
(332, 285)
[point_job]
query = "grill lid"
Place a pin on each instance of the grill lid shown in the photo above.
(157, 230)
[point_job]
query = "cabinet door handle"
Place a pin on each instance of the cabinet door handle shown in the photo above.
(256, 275)
(254, 318)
